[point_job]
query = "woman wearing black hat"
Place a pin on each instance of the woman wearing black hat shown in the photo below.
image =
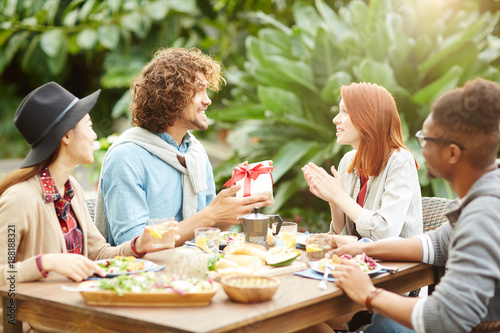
(42, 208)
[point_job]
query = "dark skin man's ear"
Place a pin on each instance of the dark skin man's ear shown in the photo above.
(455, 154)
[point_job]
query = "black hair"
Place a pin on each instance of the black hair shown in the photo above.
(470, 116)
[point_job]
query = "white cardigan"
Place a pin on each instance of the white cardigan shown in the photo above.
(393, 202)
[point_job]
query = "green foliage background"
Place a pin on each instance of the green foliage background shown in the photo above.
(284, 62)
(288, 91)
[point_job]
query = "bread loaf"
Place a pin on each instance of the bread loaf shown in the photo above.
(240, 270)
(245, 260)
(250, 249)
(225, 263)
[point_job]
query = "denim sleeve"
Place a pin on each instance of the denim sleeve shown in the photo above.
(121, 184)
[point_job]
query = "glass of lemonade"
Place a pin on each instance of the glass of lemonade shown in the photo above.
(163, 232)
(207, 239)
(287, 235)
(317, 245)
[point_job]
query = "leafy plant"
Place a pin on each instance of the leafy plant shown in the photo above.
(283, 102)
(85, 45)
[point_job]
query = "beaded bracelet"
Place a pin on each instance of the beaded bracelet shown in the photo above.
(134, 250)
(369, 298)
(38, 260)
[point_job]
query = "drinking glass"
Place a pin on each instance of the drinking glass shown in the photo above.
(207, 239)
(317, 245)
(287, 235)
(163, 232)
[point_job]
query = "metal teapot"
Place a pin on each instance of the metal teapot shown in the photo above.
(256, 225)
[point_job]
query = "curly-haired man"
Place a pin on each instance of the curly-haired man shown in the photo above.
(159, 169)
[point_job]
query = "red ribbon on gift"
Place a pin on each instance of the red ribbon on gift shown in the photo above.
(248, 173)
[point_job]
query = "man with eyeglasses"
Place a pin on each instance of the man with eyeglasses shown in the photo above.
(421, 139)
(459, 141)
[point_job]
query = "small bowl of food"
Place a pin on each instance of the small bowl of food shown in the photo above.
(250, 289)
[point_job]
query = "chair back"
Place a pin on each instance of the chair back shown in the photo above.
(433, 209)
(91, 207)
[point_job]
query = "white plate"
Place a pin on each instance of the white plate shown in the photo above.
(223, 245)
(315, 266)
(301, 239)
(148, 265)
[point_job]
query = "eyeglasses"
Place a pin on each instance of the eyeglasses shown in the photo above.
(422, 138)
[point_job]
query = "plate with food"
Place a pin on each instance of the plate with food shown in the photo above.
(366, 263)
(126, 265)
(228, 237)
(148, 289)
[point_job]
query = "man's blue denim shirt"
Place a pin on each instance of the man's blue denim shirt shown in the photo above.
(137, 185)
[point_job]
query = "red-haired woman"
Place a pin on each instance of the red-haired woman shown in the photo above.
(375, 193)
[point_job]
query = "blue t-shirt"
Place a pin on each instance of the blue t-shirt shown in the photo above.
(137, 185)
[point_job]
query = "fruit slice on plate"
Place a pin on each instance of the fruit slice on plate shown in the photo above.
(282, 259)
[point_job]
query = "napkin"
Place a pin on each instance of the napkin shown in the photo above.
(312, 274)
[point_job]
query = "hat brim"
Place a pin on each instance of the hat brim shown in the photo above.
(48, 145)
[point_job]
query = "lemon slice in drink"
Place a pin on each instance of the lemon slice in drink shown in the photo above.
(201, 242)
(288, 239)
(313, 248)
(157, 231)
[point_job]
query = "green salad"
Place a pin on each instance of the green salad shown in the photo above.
(151, 282)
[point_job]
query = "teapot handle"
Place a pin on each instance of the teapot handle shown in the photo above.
(276, 217)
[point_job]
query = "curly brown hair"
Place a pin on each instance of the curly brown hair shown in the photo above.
(167, 85)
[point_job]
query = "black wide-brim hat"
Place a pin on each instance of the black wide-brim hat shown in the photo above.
(46, 115)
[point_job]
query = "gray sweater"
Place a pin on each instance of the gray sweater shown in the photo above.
(469, 247)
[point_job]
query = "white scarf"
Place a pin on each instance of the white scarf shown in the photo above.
(193, 175)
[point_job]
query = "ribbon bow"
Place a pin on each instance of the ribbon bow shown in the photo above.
(248, 173)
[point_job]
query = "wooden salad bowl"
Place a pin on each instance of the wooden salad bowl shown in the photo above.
(250, 289)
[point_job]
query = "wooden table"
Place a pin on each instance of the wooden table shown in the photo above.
(297, 304)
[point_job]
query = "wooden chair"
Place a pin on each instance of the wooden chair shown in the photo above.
(91, 207)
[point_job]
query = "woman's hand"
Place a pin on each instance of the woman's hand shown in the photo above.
(145, 242)
(73, 266)
(353, 280)
(321, 184)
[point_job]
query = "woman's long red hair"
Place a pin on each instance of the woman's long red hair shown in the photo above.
(374, 113)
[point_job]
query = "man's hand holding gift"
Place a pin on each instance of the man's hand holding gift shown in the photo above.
(255, 178)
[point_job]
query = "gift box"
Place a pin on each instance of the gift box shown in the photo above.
(254, 178)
